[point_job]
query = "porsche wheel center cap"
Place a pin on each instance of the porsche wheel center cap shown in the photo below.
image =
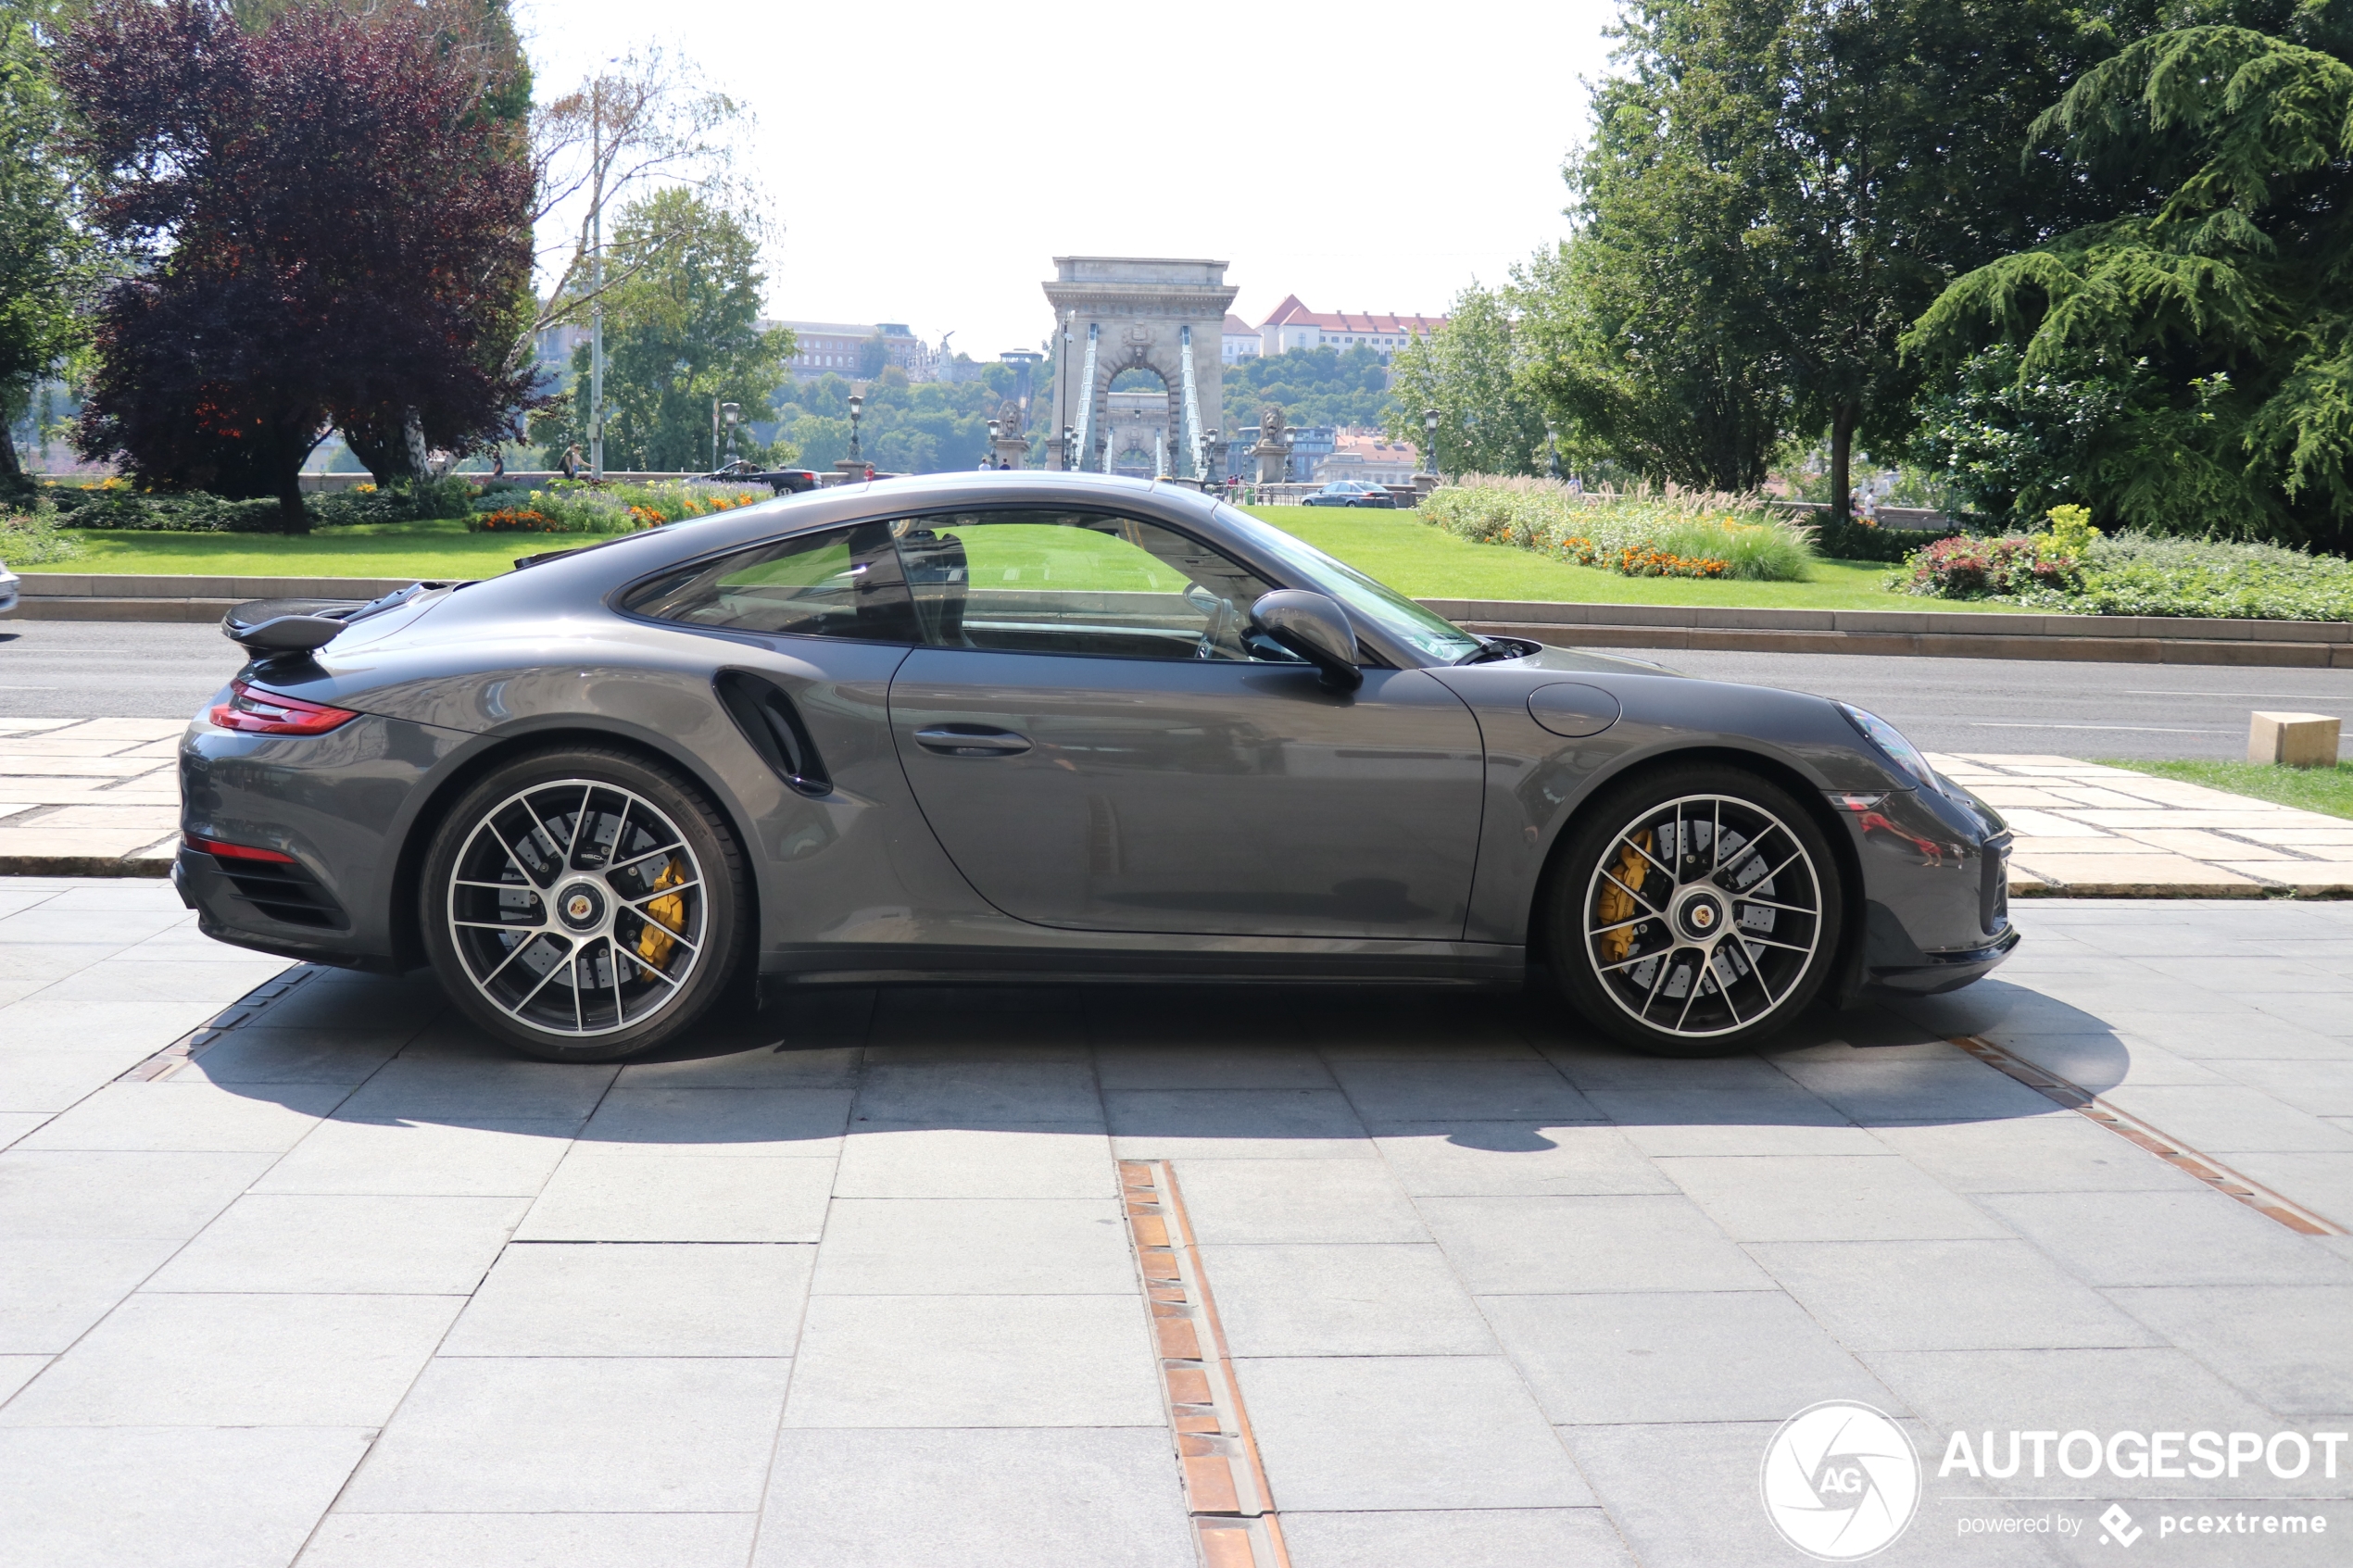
(1701, 917)
(580, 906)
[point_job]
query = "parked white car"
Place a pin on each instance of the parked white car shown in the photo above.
(8, 586)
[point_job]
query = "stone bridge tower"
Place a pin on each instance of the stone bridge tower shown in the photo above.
(1116, 313)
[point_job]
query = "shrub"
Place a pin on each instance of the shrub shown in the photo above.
(111, 506)
(396, 503)
(32, 537)
(2156, 575)
(1642, 535)
(580, 506)
(2136, 574)
(1965, 566)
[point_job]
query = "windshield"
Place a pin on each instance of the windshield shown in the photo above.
(1365, 599)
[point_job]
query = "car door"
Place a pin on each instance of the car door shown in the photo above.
(1099, 744)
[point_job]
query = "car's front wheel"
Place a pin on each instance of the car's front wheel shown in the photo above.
(583, 905)
(1696, 911)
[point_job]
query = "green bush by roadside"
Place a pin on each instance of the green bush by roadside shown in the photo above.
(2076, 570)
(31, 537)
(1637, 536)
(578, 506)
(119, 507)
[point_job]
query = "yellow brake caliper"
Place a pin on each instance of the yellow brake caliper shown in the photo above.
(1618, 905)
(654, 943)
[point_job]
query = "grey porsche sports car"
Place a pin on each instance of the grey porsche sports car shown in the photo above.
(1014, 725)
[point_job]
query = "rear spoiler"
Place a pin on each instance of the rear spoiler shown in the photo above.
(269, 626)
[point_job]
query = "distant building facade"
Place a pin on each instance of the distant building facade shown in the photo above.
(837, 348)
(1240, 342)
(1292, 325)
(1371, 457)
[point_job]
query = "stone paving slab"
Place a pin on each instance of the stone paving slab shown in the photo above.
(2093, 832)
(839, 1285)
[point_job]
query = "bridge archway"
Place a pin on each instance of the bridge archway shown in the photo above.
(1115, 314)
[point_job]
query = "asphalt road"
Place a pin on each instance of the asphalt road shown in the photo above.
(2001, 705)
(56, 669)
(110, 668)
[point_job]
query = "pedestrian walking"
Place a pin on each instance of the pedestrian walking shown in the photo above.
(572, 461)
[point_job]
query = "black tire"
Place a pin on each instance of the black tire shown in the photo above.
(1694, 912)
(585, 904)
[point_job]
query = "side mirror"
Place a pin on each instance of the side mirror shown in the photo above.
(1315, 627)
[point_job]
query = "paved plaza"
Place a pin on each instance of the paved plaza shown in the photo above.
(294, 1268)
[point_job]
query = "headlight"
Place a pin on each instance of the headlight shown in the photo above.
(1893, 746)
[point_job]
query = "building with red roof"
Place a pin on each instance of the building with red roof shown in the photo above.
(1292, 325)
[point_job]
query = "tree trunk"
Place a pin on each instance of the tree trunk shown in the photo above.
(292, 518)
(386, 450)
(11, 472)
(1843, 418)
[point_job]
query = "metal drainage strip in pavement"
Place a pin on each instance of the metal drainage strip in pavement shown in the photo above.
(1233, 1513)
(2205, 1167)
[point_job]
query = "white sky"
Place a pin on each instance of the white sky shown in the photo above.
(1406, 148)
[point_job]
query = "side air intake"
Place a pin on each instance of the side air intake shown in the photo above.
(770, 722)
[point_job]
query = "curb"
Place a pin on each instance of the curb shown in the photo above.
(145, 863)
(2117, 639)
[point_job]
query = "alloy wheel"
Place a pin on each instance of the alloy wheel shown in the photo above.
(577, 908)
(1702, 916)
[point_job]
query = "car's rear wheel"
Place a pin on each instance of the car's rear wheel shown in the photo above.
(1695, 912)
(583, 905)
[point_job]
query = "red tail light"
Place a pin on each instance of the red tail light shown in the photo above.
(235, 851)
(255, 711)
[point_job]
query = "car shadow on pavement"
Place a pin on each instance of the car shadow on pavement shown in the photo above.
(1166, 1071)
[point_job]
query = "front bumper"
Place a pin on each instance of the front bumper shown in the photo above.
(1943, 971)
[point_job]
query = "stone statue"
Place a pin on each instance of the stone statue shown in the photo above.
(1272, 451)
(1009, 418)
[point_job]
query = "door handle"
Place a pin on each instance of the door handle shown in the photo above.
(972, 740)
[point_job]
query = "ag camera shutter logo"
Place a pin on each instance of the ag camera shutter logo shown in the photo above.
(1840, 1481)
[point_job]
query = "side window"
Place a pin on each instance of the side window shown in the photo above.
(843, 582)
(1076, 582)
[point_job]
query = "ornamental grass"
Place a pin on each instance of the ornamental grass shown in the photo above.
(1644, 534)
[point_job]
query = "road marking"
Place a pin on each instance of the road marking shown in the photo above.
(2128, 729)
(2172, 1150)
(1226, 1491)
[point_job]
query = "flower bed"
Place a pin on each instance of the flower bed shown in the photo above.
(2074, 569)
(1640, 535)
(581, 506)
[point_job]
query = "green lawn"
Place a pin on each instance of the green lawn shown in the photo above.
(376, 549)
(1421, 561)
(2313, 789)
(1401, 551)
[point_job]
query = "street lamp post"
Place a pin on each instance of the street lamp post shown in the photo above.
(857, 405)
(1552, 450)
(730, 412)
(988, 458)
(1430, 440)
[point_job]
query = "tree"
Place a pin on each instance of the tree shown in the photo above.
(681, 334)
(2224, 271)
(622, 133)
(1774, 190)
(47, 261)
(1468, 370)
(1324, 385)
(324, 225)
